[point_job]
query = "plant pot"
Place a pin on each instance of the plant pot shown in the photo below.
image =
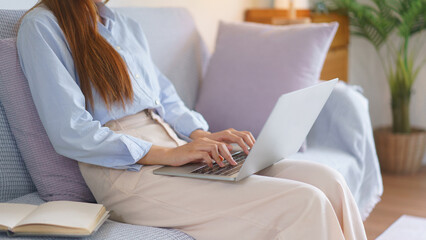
(400, 153)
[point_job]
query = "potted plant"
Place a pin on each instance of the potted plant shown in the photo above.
(390, 26)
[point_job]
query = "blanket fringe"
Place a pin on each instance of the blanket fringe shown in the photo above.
(369, 208)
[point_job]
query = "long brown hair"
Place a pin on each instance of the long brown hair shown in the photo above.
(96, 61)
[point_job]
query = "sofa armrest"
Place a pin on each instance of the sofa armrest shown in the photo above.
(344, 124)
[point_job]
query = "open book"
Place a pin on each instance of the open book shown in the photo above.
(58, 218)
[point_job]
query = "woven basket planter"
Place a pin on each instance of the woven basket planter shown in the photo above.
(400, 153)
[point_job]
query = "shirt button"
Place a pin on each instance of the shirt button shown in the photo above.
(118, 48)
(137, 76)
(157, 102)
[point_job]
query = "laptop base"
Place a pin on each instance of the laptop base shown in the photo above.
(185, 171)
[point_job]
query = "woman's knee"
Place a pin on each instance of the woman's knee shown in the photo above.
(313, 196)
(321, 175)
(304, 171)
(333, 177)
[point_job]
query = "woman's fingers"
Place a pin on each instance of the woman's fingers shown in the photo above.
(250, 136)
(206, 157)
(216, 156)
(247, 137)
(212, 148)
(222, 150)
(210, 151)
(226, 154)
(240, 141)
(242, 138)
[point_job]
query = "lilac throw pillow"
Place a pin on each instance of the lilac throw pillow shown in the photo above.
(55, 177)
(254, 64)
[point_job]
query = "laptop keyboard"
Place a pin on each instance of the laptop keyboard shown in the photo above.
(228, 170)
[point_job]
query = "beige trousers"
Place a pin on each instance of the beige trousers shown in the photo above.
(289, 200)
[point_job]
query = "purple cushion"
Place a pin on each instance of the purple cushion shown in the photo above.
(55, 177)
(253, 65)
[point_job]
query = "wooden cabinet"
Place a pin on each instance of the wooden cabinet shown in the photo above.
(336, 63)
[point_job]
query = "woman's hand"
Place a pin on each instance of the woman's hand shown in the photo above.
(200, 150)
(242, 138)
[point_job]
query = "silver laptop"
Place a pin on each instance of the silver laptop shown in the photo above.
(281, 136)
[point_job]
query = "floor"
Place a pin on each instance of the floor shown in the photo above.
(402, 195)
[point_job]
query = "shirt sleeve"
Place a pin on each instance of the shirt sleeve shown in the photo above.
(48, 66)
(183, 120)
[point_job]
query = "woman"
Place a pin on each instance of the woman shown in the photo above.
(105, 104)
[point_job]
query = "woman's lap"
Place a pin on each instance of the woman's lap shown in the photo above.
(262, 203)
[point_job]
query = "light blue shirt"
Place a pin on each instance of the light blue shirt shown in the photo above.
(75, 132)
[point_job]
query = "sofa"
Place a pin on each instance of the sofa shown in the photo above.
(341, 137)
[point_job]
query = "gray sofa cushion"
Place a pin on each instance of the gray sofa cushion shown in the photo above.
(14, 178)
(110, 229)
(8, 20)
(56, 177)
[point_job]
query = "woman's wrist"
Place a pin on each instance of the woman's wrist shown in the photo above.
(199, 134)
(156, 156)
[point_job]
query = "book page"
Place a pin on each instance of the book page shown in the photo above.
(67, 214)
(12, 213)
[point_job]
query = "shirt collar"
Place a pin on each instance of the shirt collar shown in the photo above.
(105, 12)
